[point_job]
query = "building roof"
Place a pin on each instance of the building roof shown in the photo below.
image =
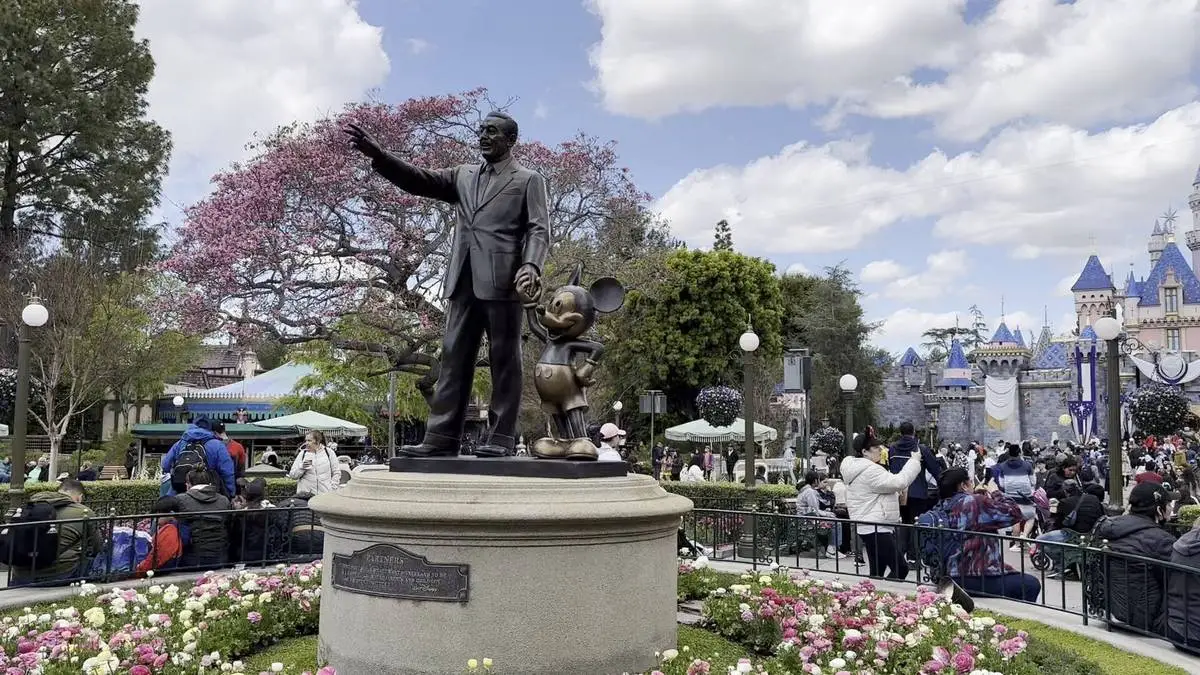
(1088, 333)
(269, 385)
(958, 371)
(1093, 277)
(1053, 356)
(1132, 286)
(1158, 230)
(1019, 337)
(1043, 341)
(1003, 335)
(1171, 260)
(1196, 182)
(911, 358)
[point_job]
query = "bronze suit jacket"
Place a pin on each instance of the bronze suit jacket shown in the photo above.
(506, 227)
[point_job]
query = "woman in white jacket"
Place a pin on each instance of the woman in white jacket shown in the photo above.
(315, 468)
(873, 496)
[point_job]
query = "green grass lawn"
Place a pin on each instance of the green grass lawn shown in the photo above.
(1109, 659)
(296, 654)
(1059, 652)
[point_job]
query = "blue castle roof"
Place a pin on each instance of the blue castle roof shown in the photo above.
(1003, 335)
(1093, 277)
(1132, 287)
(1020, 338)
(1171, 260)
(911, 358)
(1053, 356)
(958, 370)
(1088, 333)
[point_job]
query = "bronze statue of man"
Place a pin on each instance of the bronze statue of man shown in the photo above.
(501, 238)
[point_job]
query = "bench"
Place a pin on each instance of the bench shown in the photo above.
(112, 472)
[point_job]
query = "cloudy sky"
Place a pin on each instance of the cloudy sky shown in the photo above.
(949, 152)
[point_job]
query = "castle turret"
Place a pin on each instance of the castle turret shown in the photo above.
(958, 371)
(1158, 239)
(1094, 289)
(1193, 236)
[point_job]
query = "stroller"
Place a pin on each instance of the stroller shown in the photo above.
(1041, 507)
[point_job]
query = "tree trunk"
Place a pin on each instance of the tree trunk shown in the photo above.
(56, 440)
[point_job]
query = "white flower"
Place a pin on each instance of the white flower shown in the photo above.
(765, 580)
(837, 663)
(276, 667)
(94, 616)
(670, 655)
(816, 620)
(744, 666)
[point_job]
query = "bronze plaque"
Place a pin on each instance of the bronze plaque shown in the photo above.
(388, 571)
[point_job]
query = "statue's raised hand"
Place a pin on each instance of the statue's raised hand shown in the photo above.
(363, 141)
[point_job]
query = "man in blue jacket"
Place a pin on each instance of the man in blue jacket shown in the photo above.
(923, 492)
(215, 453)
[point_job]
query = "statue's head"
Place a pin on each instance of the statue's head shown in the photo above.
(497, 135)
(571, 309)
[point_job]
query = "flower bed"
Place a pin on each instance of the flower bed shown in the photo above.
(163, 629)
(803, 625)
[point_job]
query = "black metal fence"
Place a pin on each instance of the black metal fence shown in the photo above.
(1082, 576)
(113, 547)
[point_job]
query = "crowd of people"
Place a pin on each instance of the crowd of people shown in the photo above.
(207, 515)
(1043, 501)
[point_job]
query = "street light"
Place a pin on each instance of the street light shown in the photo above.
(34, 315)
(1107, 328)
(178, 403)
(848, 384)
(617, 406)
(749, 343)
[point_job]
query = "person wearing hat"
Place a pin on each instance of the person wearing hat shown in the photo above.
(610, 440)
(1135, 588)
(873, 499)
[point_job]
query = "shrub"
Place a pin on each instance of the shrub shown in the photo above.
(128, 497)
(1188, 515)
(732, 496)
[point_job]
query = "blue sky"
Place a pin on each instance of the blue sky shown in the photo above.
(950, 152)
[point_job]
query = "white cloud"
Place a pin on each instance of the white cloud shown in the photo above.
(902, 328)
(417, 45)
(662, 57)
(797, 268)
(879, 271)
(227, 70)
(1036, 190)
(1079, 63)
(936, 278)
(541, 111)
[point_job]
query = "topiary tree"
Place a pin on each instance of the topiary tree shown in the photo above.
(828, 440)
(1159, 409)
(719, 406)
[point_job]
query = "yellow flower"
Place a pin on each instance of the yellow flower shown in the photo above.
(487, 662)
(473, 664)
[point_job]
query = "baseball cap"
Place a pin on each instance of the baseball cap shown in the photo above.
(610, 430)
(1145, 495)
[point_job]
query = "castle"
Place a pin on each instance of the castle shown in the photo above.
(1006, 389)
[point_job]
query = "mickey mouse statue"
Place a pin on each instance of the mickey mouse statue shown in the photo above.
(560, 378)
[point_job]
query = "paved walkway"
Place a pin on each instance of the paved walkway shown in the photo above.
(1160, 650)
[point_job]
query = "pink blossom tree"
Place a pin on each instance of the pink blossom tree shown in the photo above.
(305, 243)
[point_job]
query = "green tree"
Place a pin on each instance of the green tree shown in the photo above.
(823, 314)
(80, 163)
(723, 237)
(682, 335)
(151, 352)
(979, 328)
(353, 385)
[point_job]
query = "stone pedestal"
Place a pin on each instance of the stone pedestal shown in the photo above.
(543, 576)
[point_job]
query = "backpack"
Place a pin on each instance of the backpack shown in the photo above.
(939, 542)
(30, 538)
(190, 458)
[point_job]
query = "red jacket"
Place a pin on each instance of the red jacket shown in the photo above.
(168, 546)
(237, 452)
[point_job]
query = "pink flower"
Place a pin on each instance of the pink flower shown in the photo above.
(254, 617)
(139, 670)
(963, 662)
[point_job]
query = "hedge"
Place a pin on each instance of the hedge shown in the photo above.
(733, 496)
(135, 497)
(128, 497)
(1188, 515)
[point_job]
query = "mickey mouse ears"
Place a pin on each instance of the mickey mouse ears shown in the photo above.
(608, 294)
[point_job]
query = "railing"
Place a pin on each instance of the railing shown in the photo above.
(1091, 581)
(112, 547)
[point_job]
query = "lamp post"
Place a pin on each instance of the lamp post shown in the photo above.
(848, 384)
(749, 343)
(178, 403)
(1109, 329)
(933, 420)
(34, 315)
(617, 406)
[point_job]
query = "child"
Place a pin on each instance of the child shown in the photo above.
(170, 536)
